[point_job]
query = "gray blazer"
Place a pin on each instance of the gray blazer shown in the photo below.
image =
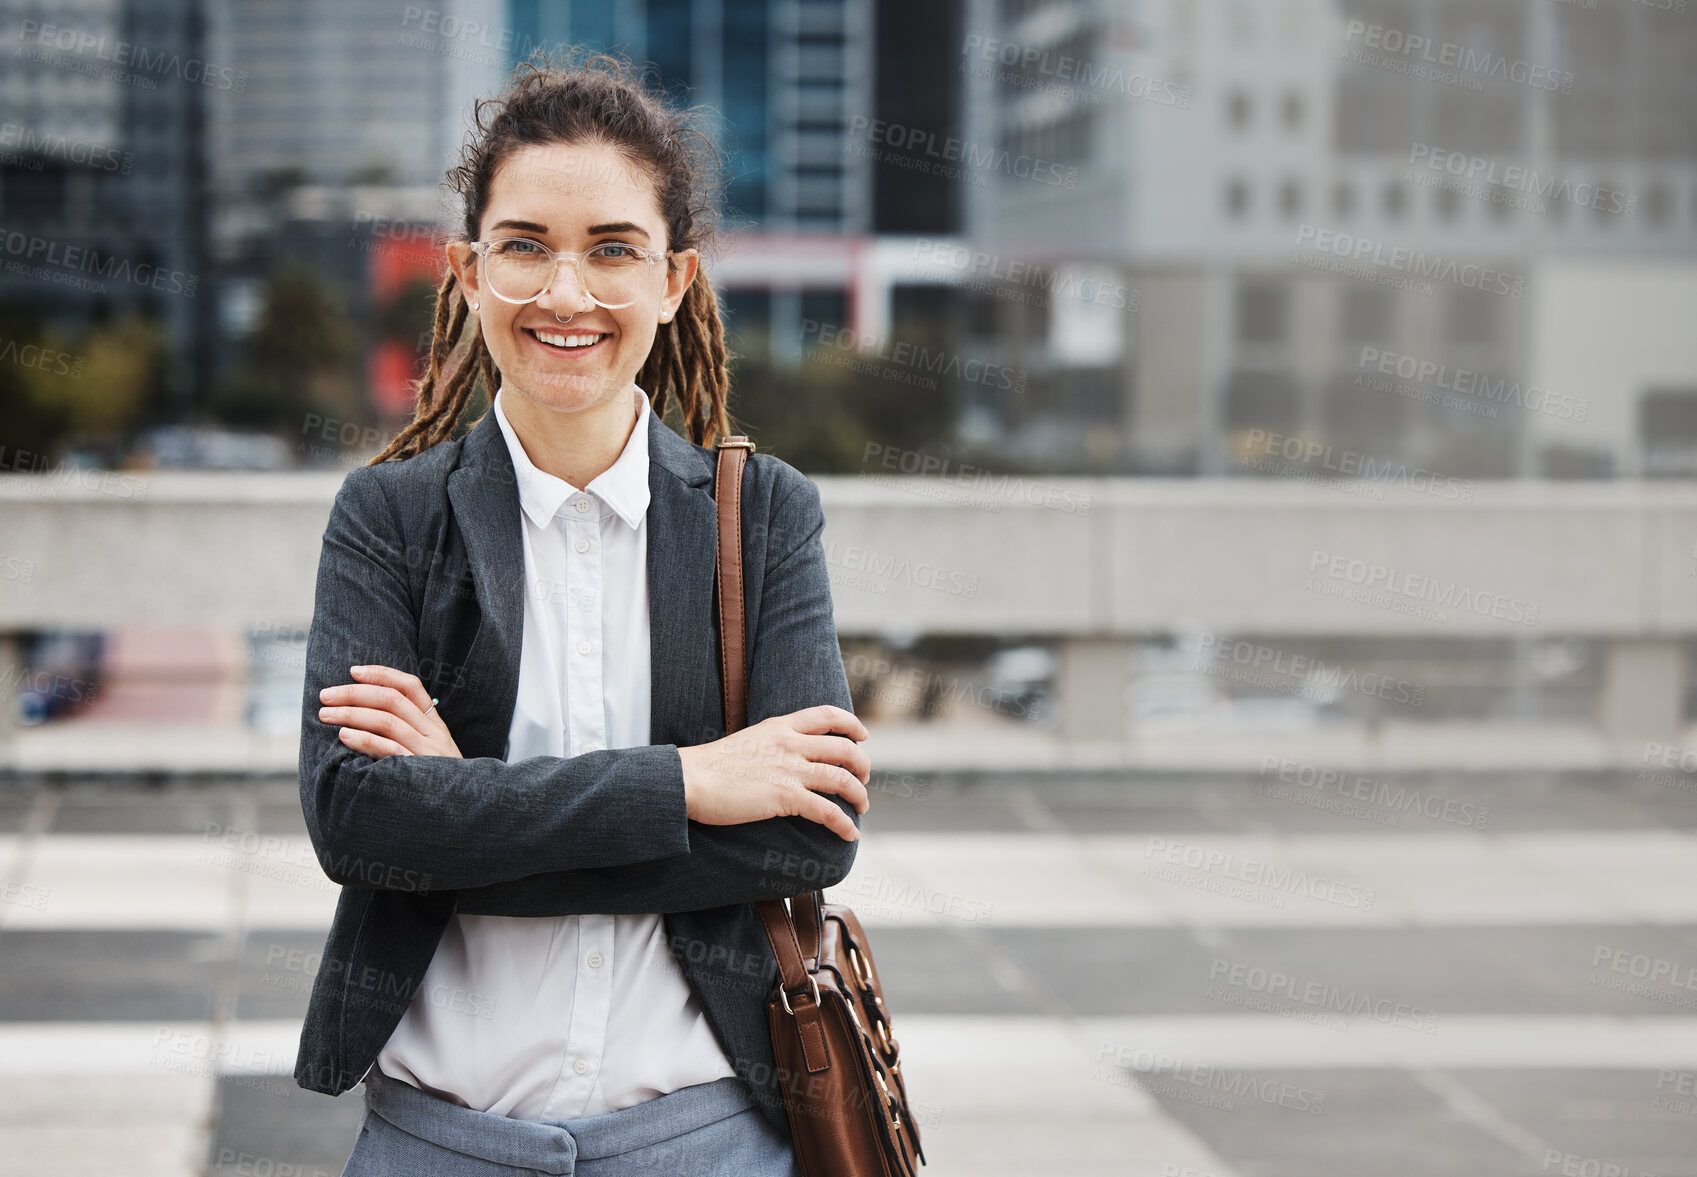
(422, 569)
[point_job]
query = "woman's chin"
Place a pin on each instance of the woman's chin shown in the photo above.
(564, 391)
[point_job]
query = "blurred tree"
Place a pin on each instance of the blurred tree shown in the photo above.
(89, 390)
(409, 314)
(820, 415)
(299, 359)
(113, 372)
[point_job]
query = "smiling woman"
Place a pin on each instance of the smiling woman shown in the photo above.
(543, 850)
(567, 168)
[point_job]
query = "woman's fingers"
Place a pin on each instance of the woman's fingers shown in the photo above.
(377, 722)
(380, 698)
(827, 717)
(388, 676)
(817, 807)
(837, 750)
(833, 778)
(374, 746)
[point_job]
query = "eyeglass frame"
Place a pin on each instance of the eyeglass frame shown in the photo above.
(481, 249)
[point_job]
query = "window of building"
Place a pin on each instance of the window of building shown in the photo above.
(1667, 432)
(1237, 199)
(1263, 313)
(1292, 110)
(1471, 316)
(1369, 314)
(1261, 400)
(1290, 199)
(1658, 204)
(1238, 110)
(1343, 198)
(1369, 421)
(1395, 200)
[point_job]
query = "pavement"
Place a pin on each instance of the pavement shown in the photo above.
(1202, 974)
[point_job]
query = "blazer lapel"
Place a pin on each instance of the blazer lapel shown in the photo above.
(485, 496)
(685, 707)
(685, 704)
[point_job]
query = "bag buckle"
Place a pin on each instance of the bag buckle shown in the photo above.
(784, 995)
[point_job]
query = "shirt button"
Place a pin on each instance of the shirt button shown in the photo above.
(583, 545)
(581, 506)
(595, 960)
(592, 746)
(581, 1066)
(584, 648)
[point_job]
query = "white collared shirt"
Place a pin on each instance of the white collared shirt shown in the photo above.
(555, 1018)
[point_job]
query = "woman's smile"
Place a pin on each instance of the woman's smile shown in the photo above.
(566, 344)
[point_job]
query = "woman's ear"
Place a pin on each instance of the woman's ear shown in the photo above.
(463, 261)
(679, 275)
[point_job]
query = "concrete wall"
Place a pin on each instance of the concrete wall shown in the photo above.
(1102, 556)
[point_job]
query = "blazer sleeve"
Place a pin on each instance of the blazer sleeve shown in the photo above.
(795, 662)
(435, 823)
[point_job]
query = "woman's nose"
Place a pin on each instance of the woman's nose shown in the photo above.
(566, 292)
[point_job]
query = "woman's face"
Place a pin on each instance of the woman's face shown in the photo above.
(571, 198)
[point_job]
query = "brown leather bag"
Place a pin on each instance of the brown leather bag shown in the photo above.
(831, 1036)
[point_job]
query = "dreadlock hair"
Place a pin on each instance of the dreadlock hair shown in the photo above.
(598, 100)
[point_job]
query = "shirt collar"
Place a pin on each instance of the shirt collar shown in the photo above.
(623, 486)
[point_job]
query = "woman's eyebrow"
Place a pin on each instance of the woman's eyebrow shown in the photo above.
(522, 226)
(618, 227)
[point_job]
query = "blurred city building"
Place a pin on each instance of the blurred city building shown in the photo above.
(1455, 235)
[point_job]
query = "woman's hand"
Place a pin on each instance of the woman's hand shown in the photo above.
(780, 767)
(386, 713)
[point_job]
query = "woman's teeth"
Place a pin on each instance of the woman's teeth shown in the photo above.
(567, 340)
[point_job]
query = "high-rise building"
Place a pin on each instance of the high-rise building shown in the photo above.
(1304, 200)
(103, 168)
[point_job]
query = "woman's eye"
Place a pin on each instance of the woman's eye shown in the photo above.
(517, 247)
(612, 251)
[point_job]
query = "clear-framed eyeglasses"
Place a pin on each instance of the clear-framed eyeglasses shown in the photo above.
(614, 273)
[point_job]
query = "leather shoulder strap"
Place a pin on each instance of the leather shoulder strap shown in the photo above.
(797, 945)
(733, 651)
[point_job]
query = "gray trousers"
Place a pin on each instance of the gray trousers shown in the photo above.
(706, 1130)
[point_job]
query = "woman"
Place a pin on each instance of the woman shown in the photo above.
(545, 955)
